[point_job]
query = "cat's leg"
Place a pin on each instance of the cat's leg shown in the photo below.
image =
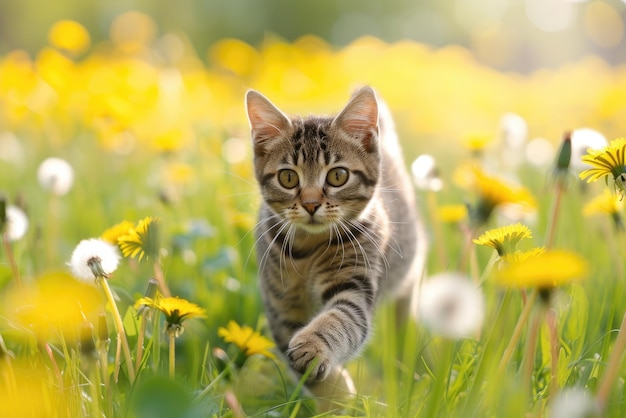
(332, 337)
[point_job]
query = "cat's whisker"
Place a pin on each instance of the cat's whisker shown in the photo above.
(353, 239)
(256, 228)
(373, 239)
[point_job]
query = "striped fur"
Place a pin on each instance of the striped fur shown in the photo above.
(328, 253)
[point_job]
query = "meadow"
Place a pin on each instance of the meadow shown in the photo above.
(153, 161)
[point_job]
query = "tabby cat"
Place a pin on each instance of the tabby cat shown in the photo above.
(338, 229)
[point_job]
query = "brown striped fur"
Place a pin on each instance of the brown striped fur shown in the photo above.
(327, 251)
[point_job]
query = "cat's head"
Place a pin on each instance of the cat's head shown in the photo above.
(317, 171)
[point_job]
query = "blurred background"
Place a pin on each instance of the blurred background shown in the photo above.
(511, 35)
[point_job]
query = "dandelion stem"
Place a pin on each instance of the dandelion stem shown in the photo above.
(104, 370)
(140, 337)
(436, 222)
(12, 263)
(172, 335)
(158, 275)
(531, 345)
(554, 213)
(121, 333)
(613, 367)
(517, 332)
(551, 319)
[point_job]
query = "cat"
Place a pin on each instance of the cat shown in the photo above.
(338, 230)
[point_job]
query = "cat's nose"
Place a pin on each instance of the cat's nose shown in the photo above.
(311, 207)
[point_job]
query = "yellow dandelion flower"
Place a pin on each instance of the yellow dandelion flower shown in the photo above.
(141, 241)
(249, 341)
(606, 203)
(476, 142)
(69, 36)
(505, 238)
(546, 270)
(112, 234)
(452, 213)
(608, 161)
(175, 309)
(55, 305)
(492, 192)
(518, 257)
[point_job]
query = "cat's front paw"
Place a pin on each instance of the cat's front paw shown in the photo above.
(309, 349)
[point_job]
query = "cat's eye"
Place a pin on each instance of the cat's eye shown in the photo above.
(337, 176)
(288, 178)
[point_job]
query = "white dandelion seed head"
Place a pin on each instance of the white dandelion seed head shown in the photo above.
(582, 140)
(16, 223)
(56, 175)
(514, 130)
(574, 403)
(89, 249)
(451, 305)
(425, 173)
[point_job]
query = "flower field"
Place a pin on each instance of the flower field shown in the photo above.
(128, 207)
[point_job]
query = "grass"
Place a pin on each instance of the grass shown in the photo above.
(208, 259)
(60, 360)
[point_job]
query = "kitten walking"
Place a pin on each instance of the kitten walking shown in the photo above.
(338, 231)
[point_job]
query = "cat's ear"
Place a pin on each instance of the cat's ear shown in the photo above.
(359, 119)
(266, 120)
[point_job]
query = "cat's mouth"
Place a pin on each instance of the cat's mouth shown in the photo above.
(314, 225)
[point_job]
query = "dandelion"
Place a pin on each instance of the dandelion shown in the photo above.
(14, 224)
(608, 161)
(141, 241)
(94, 259)
(113, 234)
(56, 175)
(574, 403)
(451, 305)
(514, 130)
(54, 304)
(518, 257)
(249, 341)
(561, 172)
(176, 311)
(548, 269)
(476, 143)
(505, 238)
(453, 213)
(606, 204)
(583, 140)
(425, 173)
(69, 36)
(492, 192)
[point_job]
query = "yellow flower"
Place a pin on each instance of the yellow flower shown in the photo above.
(55, 305)
(548, 269)
(112, 234)
(176, 311)
(141, 241)
(70, 36)
(606, 203)
(452, 213)
(521, 256)
(476, 142)
(610, 160)
(249, 341)
(492, 192)
(505, 238)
